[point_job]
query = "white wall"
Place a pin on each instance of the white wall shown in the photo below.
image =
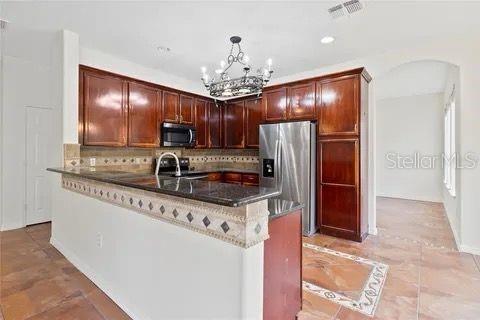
(451, 203)
(28, 80)
(156, 270)
(462, 52)
(405, 126)
(98, 59)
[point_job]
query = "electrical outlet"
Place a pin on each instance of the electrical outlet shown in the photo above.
(137, 160)
(99, 240)
(92, 162)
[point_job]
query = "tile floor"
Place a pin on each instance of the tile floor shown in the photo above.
(38, 283)
(427, 277)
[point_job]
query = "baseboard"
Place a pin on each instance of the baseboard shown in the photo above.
(372, 231)
(381, 195)
(469, 249)
(99, 281)
(8, 227)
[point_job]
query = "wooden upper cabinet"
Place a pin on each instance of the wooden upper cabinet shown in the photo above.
(233, 123)
(214, 126)
(301, 101)
(170, 106)
(186, 114)
(338, 104)
(104, 110)
(253, 118)
(275, 104)
(142, 116)
(201, 122)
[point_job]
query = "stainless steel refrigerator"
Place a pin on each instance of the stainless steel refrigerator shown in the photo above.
(287, 161)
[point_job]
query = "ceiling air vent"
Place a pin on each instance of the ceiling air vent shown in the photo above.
(353, 6)
(336, 11)
(345, 9)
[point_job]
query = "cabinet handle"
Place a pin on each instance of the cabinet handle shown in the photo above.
(355, 128)
(181, 118)
(176, 117)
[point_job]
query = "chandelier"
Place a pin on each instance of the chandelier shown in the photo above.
(246, 84)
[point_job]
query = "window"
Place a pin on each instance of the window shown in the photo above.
(449, 163)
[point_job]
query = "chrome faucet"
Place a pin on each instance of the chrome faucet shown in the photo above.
(178, 173)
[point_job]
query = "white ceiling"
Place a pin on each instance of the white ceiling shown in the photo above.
(289, 32)
(410, 79)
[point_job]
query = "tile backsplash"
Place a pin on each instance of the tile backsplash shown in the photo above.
(76, 155)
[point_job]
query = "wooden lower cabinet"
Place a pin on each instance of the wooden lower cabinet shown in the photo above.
(282, 284)
(250, 179)
(232, 177)
(338, 189)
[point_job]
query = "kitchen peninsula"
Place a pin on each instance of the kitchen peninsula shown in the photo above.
(164, 247)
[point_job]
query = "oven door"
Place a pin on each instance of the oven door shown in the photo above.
(178, 135)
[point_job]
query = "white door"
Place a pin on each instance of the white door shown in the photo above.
(38, 155)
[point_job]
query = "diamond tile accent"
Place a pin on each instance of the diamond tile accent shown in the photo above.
(221, 223)
(225, 227)
(101, 192)
(206, 221)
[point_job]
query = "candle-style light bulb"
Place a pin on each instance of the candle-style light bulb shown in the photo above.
(204, 70)
(222, 64)
(269, 63)
(246, 59)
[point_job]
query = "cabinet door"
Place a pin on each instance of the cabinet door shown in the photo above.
(338, 102)
(186, 109)
(253, 117)
(250, 179)
(170, 106)
(233, 125)
(338, 208)
(142, 116)
(301, 101)
(214, 126)
(275, 104)
(105, 112)
(232, 177)
(201, 122)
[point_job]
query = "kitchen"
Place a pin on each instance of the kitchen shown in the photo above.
(232, 197)
(272, 170)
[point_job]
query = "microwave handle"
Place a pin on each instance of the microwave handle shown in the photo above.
(191, 135)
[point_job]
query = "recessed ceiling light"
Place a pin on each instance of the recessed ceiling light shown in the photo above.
(327, 39)
(163, 49)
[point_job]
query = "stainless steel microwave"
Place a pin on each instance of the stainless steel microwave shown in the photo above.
(178, 135)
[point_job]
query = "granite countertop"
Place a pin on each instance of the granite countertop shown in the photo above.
(279, 207)
(225, 194)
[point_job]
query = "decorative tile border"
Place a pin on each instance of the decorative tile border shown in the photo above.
(223, 158)
(242, 226)
(370, 296)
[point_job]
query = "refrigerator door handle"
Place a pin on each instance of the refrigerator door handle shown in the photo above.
(279, 168)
